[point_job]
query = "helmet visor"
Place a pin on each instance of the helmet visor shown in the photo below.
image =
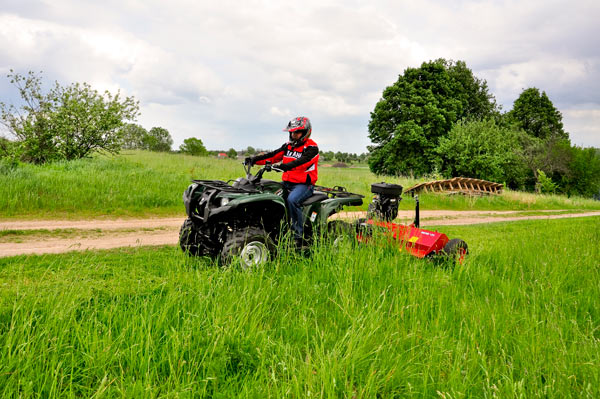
(295, 125)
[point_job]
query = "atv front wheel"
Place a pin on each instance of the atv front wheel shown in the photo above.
(188, 238)
(251, 245)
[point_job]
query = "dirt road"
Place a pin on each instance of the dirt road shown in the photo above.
(48, 236)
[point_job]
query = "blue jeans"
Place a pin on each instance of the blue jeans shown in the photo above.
(297, 193)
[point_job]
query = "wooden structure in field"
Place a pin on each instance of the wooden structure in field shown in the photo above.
(457, 185)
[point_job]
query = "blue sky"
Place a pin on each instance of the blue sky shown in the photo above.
(233, 73)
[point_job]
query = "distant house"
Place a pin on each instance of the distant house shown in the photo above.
(222, 155)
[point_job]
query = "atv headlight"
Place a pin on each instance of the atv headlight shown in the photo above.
(224, 201)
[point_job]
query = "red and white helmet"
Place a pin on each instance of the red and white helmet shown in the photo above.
(299, 124)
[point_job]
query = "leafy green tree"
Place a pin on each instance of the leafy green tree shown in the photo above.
(133, 136)
(535, 114)
(552, 156)
(193, 146)
(483, 150)
(66, 122)
(232, 153)
(419, 109)
(326, 156)
(158, 139)
(584, 173)
(250, 150)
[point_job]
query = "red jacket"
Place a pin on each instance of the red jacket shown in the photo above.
(299, 163)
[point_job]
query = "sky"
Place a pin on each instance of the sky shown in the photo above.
(233, 73)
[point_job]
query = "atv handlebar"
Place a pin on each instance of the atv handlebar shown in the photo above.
(267, 168)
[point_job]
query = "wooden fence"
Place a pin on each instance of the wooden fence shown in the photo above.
(457, 185)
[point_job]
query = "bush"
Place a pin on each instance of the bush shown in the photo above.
(544, 184)
(193, 146)
(232, 153)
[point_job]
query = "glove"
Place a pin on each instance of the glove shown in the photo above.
(281, 166)
(249, 161)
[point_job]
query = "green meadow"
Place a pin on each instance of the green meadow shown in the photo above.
(521, 318)
(141, 184)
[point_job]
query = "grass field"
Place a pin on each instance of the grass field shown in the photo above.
(141, 184)
(521, 318)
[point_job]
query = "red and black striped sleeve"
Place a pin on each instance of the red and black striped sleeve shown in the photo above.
(273, 156)
(307, 155)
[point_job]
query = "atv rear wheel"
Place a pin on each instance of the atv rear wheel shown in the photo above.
(251, 245)
(188, 238)
(456, 250)
(339, 233)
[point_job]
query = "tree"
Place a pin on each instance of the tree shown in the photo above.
(584, 173)
(483, 150)
(232, 153)
(535, 114)
(326, 155)
(250, 150)
(158, 139)
(418, 109)
(341, 156)
(133, 136)
(553, 157)
(193, 146)
(65, 123)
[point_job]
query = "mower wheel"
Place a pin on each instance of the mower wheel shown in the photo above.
(456, 250)
(252, 245)
(188, 238)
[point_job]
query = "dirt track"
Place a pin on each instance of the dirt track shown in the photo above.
(164, 231)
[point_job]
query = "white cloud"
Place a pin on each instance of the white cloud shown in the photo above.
(278, 112)
(582, 125)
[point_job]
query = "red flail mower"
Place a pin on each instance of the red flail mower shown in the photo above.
(410, 238)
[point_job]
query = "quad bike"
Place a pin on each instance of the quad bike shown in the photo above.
(248, 217)
(411, 238)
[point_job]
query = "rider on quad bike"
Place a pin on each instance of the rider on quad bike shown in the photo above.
(298, 159)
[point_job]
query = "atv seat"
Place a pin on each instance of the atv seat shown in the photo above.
(316, 197)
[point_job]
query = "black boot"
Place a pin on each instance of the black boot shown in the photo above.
(302, 246)
(299, 243)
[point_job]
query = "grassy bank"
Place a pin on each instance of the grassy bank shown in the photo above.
(519, 319)
(141, 184)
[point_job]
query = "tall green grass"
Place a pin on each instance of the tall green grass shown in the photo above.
(142, 183)
(519, 319)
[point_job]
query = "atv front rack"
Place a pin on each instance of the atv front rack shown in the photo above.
(224, 186)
